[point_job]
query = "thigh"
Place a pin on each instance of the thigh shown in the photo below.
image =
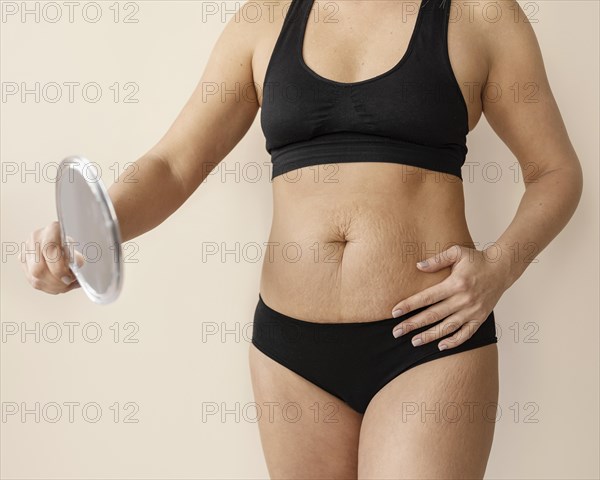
(434, 421)
(305, 432)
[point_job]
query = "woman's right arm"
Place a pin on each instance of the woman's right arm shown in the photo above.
(208, 127)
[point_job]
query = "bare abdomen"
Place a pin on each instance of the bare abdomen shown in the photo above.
(345, 239)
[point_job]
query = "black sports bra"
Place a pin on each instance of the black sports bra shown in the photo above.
(413, 114)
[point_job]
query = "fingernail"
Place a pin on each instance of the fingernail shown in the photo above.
(417, 341)
(423, 264)
(443, 347)
(67, 280)
(397, 313)
(397, 332)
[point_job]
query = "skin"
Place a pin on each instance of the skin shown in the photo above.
(361, 226)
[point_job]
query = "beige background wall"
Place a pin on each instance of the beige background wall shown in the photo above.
(165, 368)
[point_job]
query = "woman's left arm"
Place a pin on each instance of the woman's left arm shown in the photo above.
(527, 119)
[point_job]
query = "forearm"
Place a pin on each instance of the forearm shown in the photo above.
(547, 205)
(145, 195)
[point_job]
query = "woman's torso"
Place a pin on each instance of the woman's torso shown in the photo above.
(345, 237)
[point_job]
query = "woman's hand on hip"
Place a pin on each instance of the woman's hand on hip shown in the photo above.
(464, 299)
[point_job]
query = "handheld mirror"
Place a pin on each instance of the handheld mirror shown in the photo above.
(88, 225)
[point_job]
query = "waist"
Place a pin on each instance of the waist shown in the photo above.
(347, 251)
(348, 147)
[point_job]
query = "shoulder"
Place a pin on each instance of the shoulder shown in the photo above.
(246, 25)
(253, 21)
(502, 27)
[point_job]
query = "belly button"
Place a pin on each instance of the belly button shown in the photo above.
(344, 240)
(345, 235)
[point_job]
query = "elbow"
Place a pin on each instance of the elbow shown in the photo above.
(565, 181)
(573, 176)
